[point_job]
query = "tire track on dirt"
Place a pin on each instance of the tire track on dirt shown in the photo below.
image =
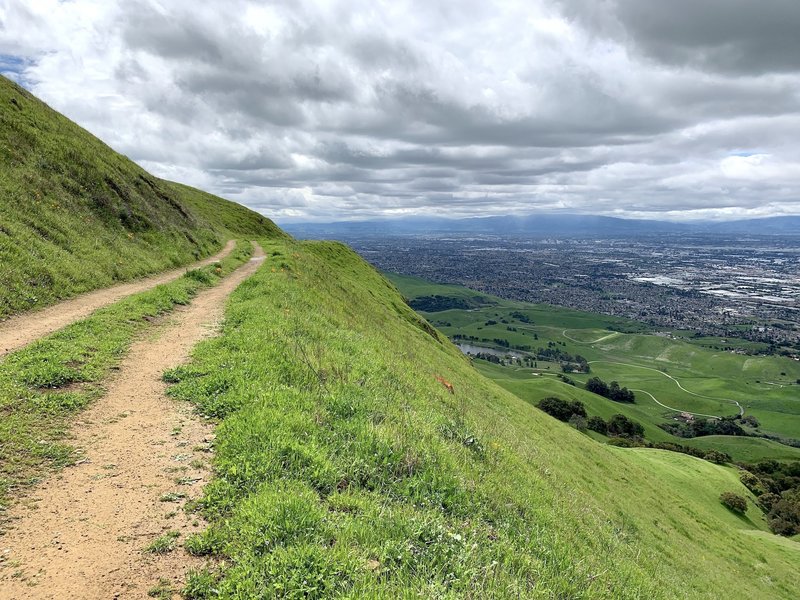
(81, 533)
(20, 330)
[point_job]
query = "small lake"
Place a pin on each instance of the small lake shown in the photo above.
(470, 349)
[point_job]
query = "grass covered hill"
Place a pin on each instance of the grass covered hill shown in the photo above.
(75, 215)
(345, 468)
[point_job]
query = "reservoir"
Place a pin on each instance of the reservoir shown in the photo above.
(500, 353)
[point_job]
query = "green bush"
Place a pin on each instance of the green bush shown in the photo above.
(734, 502)
(597, 424)
(561, 409)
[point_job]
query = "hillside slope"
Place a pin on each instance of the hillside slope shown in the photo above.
(345, 468)
(75, 215)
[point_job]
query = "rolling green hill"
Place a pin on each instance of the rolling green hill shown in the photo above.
(344, 465)
(665, 370)
(75, 215)
(344, 468)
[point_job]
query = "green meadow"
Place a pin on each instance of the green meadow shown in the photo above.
(345, 468)
(664, 368)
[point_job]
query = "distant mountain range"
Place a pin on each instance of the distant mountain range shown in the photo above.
(542, 225)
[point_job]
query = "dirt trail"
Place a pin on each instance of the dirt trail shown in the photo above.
(21, 330)
(81, 534)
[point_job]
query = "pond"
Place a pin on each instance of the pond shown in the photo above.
(501, 353)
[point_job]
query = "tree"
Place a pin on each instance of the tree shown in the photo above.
(734, 502)
(717, 457)
(622, 426)
(556, 407)
(750, 420)
(561, 409)
(597, 386)
(597, 424)
(784, 517)
(578, 422)
(578, 408)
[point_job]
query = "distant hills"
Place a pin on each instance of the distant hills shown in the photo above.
(542, 225)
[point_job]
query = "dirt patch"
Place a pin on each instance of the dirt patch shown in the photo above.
(83, 533)
(21, 330)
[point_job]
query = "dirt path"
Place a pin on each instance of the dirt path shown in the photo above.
(597, 341)
(678, 383)
(21, 330)
(81, 534)
(675, 409)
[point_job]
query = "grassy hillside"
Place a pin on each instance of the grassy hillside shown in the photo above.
(75, 215)
(343, 467)
(685, 375)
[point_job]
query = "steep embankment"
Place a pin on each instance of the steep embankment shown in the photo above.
(343, 466)
(76, 216)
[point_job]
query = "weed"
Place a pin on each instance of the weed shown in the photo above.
(163, 544)
(172, 497)
(163, 590)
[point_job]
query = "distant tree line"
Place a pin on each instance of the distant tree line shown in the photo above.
(777, 486)
(437, 303)
(702, 427)
(617, 426)
(622, 430)
(575, 413)
(612, 390)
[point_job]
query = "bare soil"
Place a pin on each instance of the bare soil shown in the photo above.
(82, 533)
(20, 330)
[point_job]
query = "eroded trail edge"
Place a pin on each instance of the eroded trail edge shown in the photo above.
(83, 533)
(20, 330)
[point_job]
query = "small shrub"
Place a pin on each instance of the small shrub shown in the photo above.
(200, 585)
(163, 544)
(717, 457)
(199, 275)
(767, 501)
(751, 482)
(733, 502)
(578, 422)
(163, 590)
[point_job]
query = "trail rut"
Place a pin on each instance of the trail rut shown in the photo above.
(21, 330)
(81, 533)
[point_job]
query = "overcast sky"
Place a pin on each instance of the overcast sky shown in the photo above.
(679, 109)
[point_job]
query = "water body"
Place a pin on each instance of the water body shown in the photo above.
(470, 349)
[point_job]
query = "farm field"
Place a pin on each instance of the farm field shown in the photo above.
(668, 374)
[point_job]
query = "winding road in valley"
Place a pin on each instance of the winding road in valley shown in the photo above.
(678, 383)
(20, 330)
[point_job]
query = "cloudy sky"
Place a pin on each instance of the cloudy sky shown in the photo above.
(351, 109)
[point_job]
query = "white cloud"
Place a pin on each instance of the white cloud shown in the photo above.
(356, 108)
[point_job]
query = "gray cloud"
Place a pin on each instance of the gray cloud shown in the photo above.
(349, 109)
(731, 36)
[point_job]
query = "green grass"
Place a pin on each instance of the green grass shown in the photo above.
(163, 590)
(43, 385)
(639, 359)
(163, 544)
(76, 216)
(343, 468)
